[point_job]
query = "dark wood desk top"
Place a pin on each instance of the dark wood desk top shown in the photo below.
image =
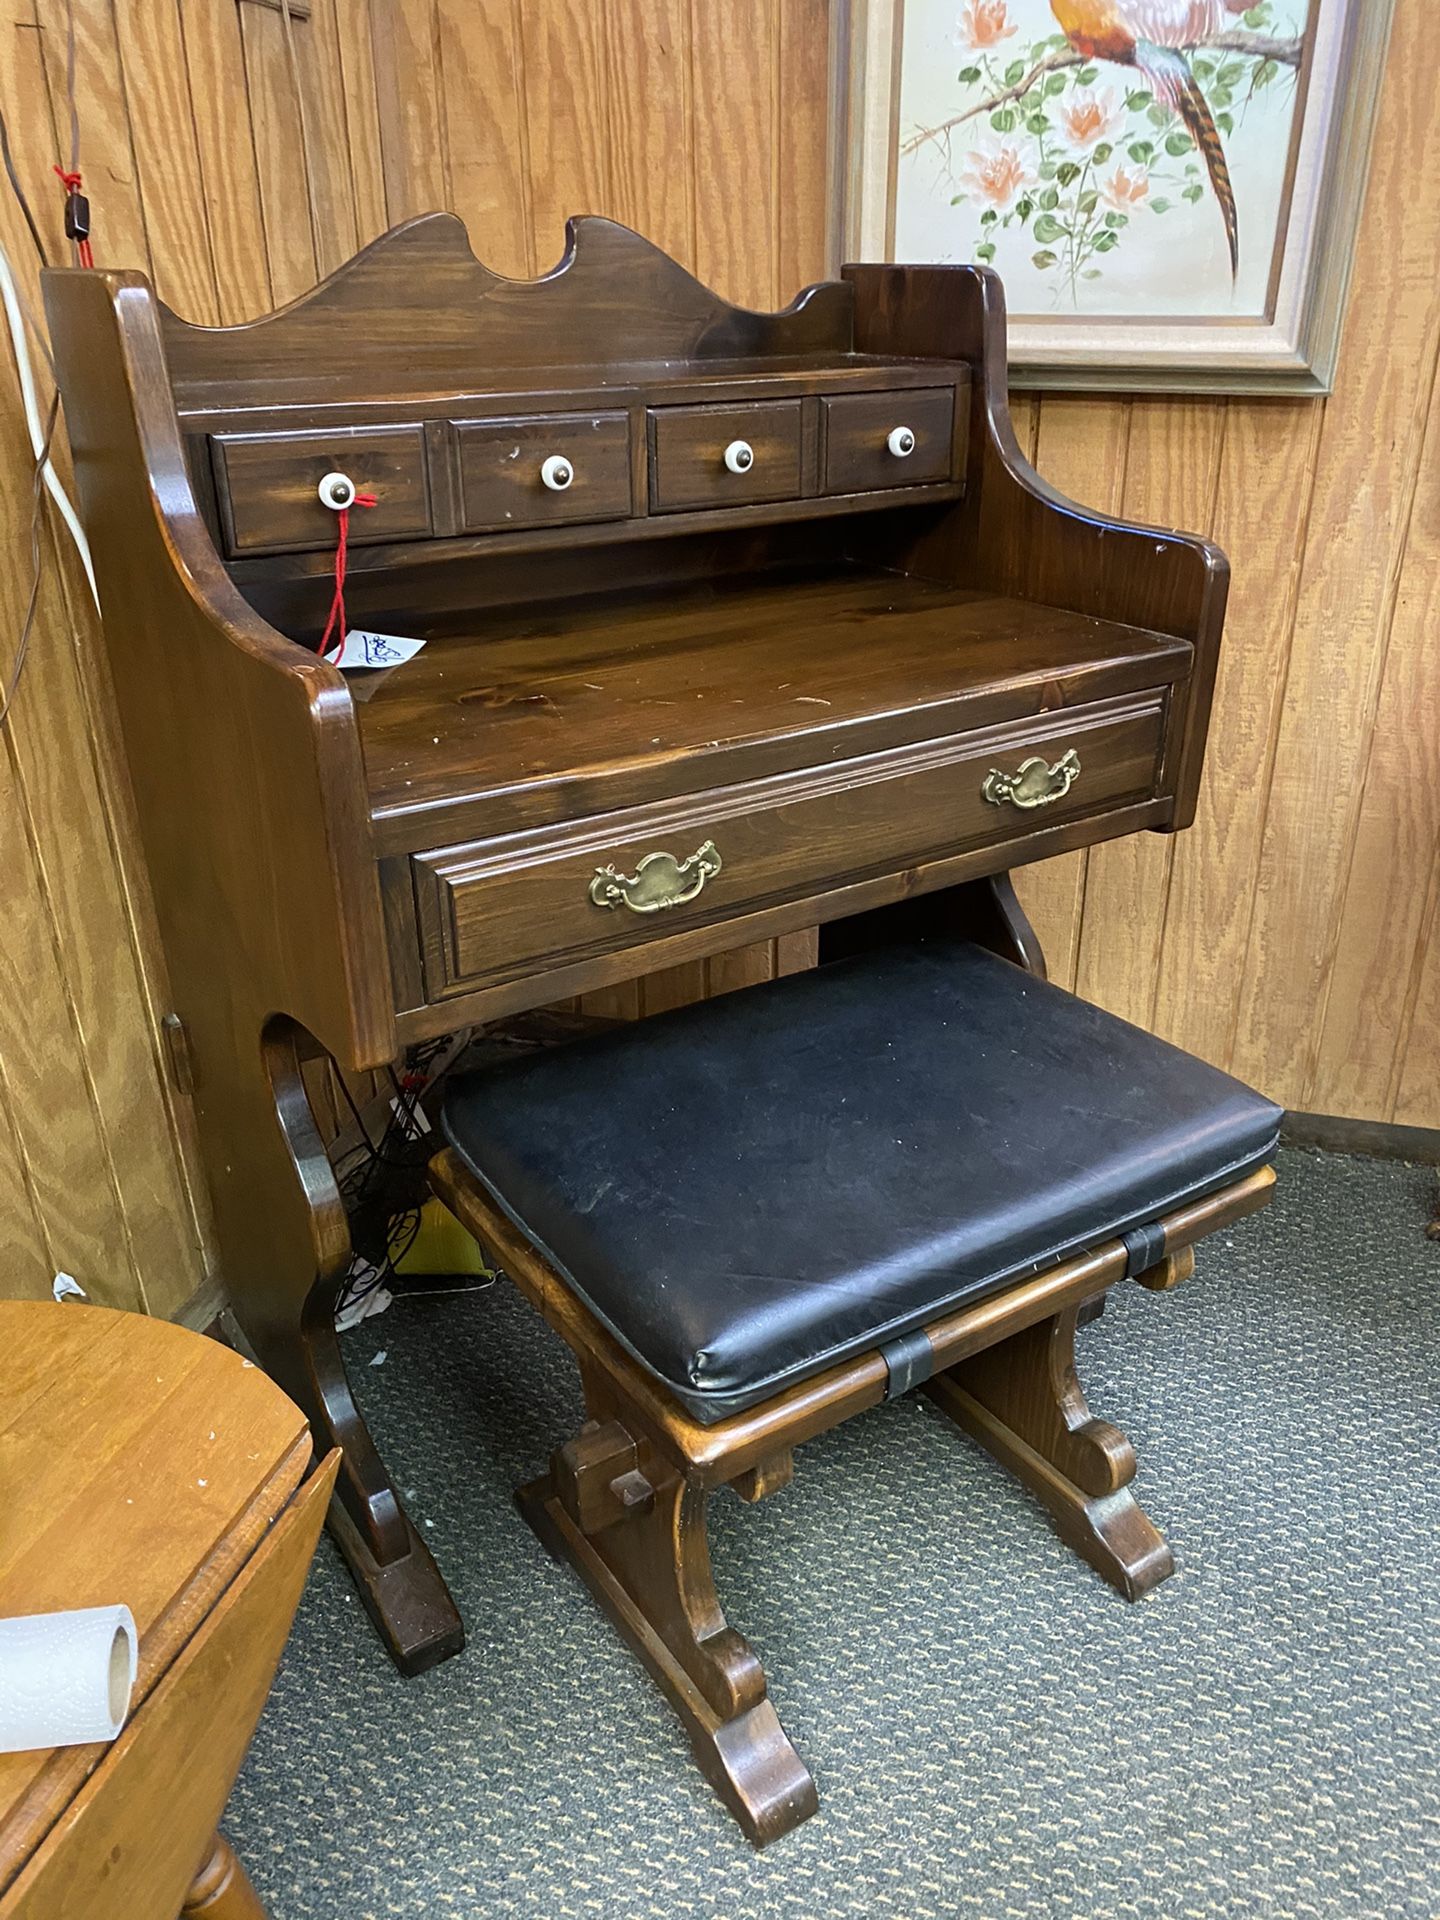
(554, 710)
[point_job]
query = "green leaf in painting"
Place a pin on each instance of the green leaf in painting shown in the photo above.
(1140, 98)
(1014, 73)
(1193, 193)
(1048, 229)
(1092, 273)
(1023, 209)
(989, 217)
(1105, 242)
(1087, 202)
(1102, 153)
(1264, 73)
(1043, 259)
(967, 76)
(1177, 143)
(1055, 84)
(1160, 205)
(1050, 199)
(985, 253)
(1225, 122)
(1066, 172)
(1141, 151)
(1003, 121)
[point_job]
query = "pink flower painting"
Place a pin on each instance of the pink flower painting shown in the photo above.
(984, 24)
(1089, 116)
(998, 172)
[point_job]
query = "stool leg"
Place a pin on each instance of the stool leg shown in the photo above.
(222, 1890)
(638, 1539)
(1021, 1400)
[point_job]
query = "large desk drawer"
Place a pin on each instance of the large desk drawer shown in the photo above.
(501, 908)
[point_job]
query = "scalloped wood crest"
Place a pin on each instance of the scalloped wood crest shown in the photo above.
(416, 312)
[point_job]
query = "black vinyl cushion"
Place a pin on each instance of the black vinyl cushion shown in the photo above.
(747, 1190)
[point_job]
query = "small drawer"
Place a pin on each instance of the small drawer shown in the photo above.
(266, 483)
(876, 440)
(546, 468)
(724, 456)
(500, 909)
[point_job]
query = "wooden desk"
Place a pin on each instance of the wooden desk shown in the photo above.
(150, 1466)
(798, 639)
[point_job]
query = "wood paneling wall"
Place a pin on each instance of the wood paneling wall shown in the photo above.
(1291, 934)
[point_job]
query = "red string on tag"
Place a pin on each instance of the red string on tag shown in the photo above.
(337, 604)
(77, 216)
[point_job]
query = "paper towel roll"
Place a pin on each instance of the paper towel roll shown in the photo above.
(65, 1678)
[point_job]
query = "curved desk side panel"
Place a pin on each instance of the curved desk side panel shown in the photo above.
(1015, 533)
(243, 752)
(250, 792)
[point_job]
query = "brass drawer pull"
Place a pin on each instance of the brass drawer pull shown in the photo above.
(1033, 784)
(659, 880)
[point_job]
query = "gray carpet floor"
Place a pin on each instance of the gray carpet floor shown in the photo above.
(994, 1732)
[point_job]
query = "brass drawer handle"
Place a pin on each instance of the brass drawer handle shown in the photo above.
(1033, 784)
(659, 880)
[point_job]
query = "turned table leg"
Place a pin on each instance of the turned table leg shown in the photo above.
(222, 1890)
(1021, 1400)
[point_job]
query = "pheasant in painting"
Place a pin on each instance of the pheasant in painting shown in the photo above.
(1151, 36)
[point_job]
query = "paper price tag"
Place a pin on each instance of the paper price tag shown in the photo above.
(365, 649)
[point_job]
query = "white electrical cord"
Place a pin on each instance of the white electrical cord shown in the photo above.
(34, 421)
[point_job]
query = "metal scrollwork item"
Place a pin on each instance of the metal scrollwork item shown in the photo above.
(1033, 784)
(659, 881)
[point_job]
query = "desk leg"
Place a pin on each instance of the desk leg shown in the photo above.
(285, 1246)
(399, 1582)
(222, 1890)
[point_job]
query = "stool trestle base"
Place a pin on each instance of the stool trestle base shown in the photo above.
(625, 1501)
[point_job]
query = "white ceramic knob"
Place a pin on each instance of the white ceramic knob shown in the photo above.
(739, 456)
(337, 490)
(557, 472)
(901, 442)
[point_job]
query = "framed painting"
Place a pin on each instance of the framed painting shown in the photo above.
(1170, 189)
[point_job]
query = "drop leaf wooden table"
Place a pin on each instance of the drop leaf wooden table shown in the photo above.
(143, 1464)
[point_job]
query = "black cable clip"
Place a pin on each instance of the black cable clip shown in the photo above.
(77, 216)
(77, 208)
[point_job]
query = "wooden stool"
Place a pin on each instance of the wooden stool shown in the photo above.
(756, 1217)
(149, 1466)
